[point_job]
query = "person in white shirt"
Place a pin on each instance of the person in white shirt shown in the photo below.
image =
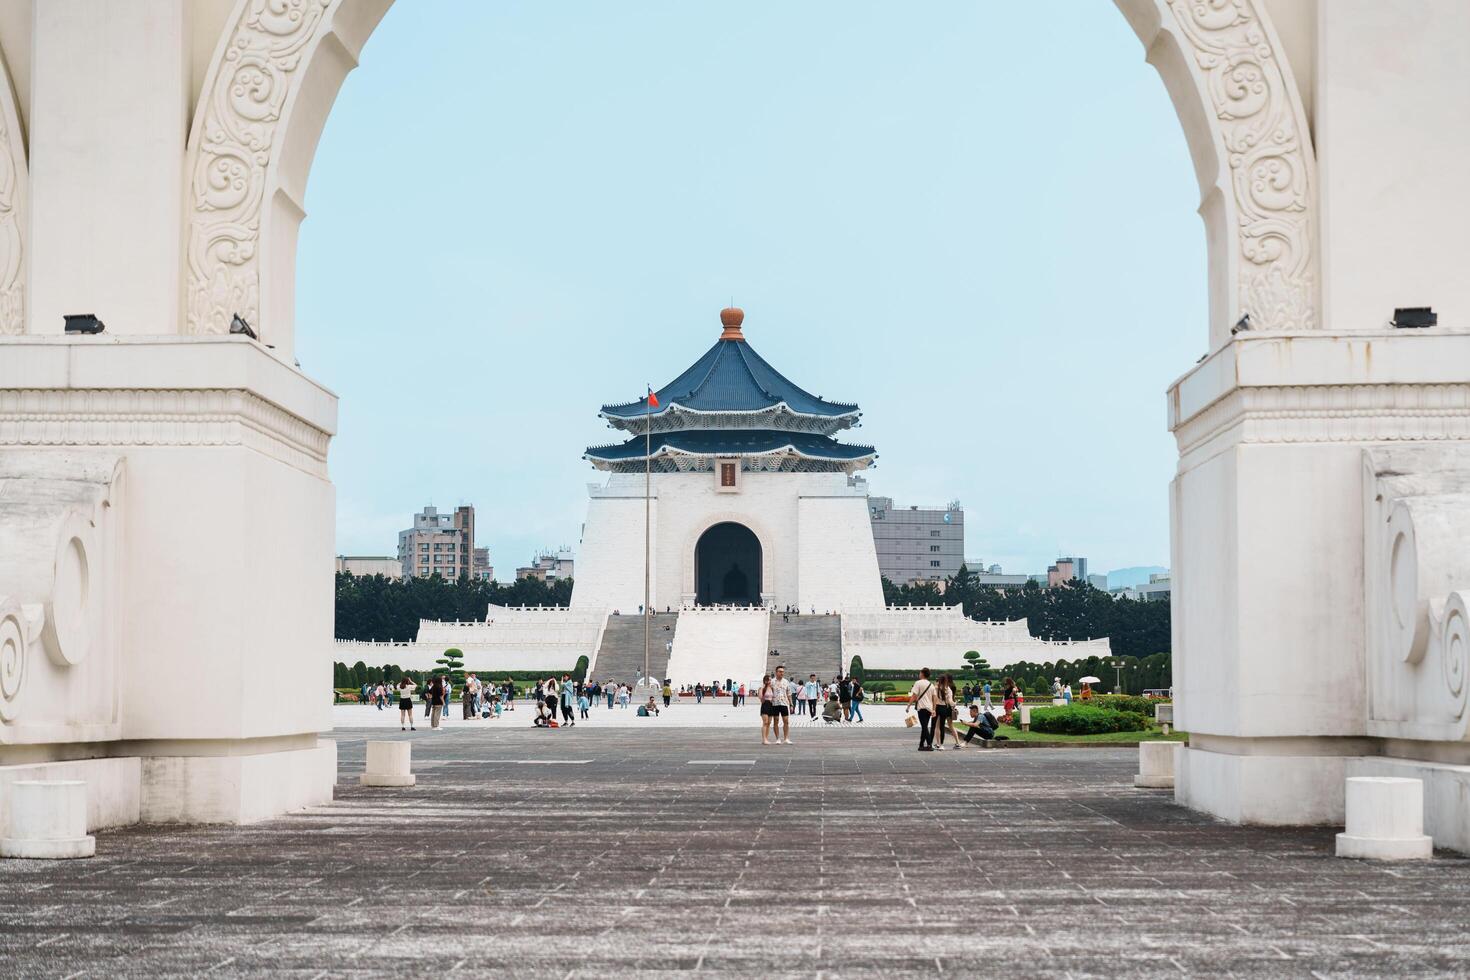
(813, 693)
(405, 703)
(922, 697)
(781, 706)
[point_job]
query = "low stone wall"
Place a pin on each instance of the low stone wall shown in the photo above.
(907, 638)
(509, 638)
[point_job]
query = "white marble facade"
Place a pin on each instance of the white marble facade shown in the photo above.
(816, 539)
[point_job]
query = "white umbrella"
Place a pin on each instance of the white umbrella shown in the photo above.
(1090, 680)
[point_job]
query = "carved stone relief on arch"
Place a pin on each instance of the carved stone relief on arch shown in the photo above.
(14, 196)
(230, 152)
(1264, 261)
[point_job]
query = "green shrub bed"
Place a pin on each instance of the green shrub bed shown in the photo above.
(1080, 719)
(1126, 702)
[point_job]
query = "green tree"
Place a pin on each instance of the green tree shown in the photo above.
(978, 667)
(453, 664)
(579, 672)
(855, 670)
(377, 608)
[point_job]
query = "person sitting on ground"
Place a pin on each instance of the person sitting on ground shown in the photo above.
(832, 710)
(651, 708)
(982, 723)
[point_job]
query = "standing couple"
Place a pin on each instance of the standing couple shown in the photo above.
(935, 704)
(775, 708)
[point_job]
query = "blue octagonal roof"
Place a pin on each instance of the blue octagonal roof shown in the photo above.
(732, 377)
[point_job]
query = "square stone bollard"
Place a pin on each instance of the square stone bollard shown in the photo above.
(1025, 717)
(1164, 716)
(48, 820)
(1385, 820)
(388, 764)
(1156, 765)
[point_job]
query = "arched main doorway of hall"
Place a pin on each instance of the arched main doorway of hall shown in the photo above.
(727, 566)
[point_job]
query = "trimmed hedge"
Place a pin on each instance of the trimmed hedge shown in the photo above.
(1125, 702)
(1081, 719)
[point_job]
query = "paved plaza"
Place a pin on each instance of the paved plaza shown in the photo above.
(587, 853)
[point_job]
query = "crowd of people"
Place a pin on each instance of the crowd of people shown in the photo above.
(935, 707)
(478, 699)
(935, 703)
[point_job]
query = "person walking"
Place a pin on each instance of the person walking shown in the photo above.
(583, 703)
(844, 696)
(781, 707)
(405, 703)
(985, 695)
(467, 703)
(944, 711)
(922, 697)
(668, 692)
(801, 701)
(437, 690)
(765, 709)
(813, 692)
(568, 699)
(857, 700)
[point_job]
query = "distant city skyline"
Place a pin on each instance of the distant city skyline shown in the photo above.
(1008, 289)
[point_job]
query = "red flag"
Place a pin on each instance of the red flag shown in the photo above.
(652, 399)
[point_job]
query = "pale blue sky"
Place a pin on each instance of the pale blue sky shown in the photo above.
(975, 219)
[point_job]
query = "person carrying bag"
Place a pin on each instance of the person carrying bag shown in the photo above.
(922, 697)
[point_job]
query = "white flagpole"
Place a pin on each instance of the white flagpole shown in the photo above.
(647, 526)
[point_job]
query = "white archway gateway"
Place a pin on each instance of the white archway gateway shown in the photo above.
(153, 163)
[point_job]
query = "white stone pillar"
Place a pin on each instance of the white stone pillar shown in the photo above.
(48, 820)
(1392, 135)
(108, 124)
(1156, 765)
(388, 764)
(1385, 820)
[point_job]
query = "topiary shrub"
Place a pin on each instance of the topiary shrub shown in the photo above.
(579, 672)
(453, 664)
(1082, 719)
(855, 670)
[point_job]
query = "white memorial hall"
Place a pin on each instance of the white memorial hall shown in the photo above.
(758, 540)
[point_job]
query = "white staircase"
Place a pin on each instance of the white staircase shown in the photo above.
(719, 644)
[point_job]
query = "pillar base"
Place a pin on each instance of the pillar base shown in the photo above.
(48, 850)
(1156, 765)
(1419, 848)
(386, 779)
(48, 820)
(1261, 789)
(237, 789)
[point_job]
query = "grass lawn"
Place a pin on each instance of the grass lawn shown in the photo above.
(1115, 738)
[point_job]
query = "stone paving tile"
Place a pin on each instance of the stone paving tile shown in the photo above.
(846, 855)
